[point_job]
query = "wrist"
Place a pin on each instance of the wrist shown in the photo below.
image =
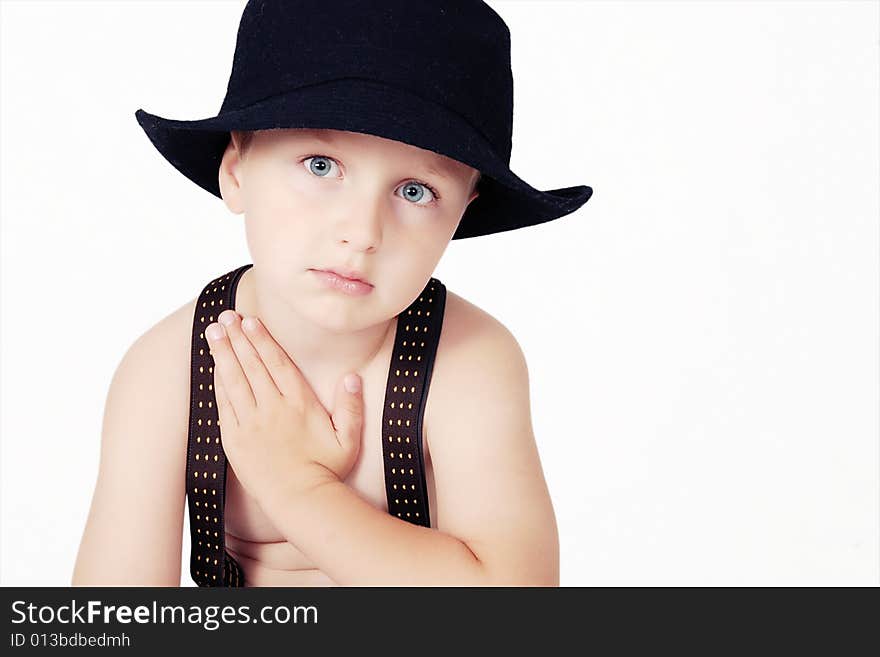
(296, 492)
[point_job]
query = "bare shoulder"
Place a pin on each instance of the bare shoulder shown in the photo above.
(163, 351)
(490, 488)
(472, 341)
(160, 360)
(140, 480)
(469, 333)
(465, 320)
(171, 337)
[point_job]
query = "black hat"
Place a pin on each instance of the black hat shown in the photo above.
(431, 73)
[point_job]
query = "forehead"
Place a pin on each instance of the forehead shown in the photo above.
(343, 139)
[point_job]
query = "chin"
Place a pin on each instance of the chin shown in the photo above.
(338, 320)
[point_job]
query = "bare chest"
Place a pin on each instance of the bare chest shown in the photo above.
(252, 539)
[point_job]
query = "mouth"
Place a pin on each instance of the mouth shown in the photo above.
(348, 275)
(334, 280)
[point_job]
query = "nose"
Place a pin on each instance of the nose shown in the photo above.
(361, 224)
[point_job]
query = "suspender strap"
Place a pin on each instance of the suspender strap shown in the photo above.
(409, 376)
(210, 563)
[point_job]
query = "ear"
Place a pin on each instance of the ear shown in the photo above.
(230, 177)
(476, 185)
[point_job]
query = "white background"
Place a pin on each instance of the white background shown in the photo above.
(702, 335)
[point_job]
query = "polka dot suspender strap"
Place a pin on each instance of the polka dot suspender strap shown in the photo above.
(210, 564)
(409, 376)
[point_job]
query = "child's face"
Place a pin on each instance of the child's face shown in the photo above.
(324, 199)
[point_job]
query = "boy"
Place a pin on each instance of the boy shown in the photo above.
(359, 141)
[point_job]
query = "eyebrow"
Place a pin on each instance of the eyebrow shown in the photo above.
(438, 168)
(435, 172)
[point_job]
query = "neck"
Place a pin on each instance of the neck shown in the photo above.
(323, 356)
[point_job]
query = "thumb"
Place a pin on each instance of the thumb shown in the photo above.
(348, 413)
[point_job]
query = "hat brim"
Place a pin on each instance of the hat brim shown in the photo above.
(505, 202)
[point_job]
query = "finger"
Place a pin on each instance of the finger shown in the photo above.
(238, 390)
(225, 411)
(348, 412)
(284, 372)
(261, 382)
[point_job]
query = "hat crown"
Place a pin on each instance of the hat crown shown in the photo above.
(452, 52)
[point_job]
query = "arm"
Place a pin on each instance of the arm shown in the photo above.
(491, 491)
(356, 544)
(496, 523)
(134, 529)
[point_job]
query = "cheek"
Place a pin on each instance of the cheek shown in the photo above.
(279, 214)
(407, 274)
(426, 246)
(275, 238)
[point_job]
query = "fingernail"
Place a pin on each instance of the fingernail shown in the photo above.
(227, 317)
(214, 332)
(352, 382)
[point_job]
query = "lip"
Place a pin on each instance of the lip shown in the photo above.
(348, 274)
(351, 286)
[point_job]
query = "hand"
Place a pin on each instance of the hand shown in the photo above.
(277, 436)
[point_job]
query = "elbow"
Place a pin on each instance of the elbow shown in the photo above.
(106, 576)
(532, 575)
(517, 572)
(518, 577)
(545, 582)
(521, 580)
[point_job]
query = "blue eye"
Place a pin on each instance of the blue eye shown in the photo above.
(414, 189)
(319, 165)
